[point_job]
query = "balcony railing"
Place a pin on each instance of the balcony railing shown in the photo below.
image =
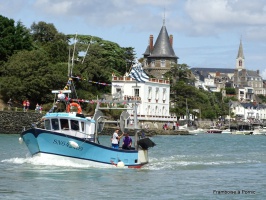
(154, 80)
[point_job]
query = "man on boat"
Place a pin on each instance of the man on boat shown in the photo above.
(127, 142)
(115, 139)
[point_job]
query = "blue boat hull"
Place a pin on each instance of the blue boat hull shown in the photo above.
(40, 141)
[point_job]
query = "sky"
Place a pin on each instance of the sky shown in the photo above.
(206, 33)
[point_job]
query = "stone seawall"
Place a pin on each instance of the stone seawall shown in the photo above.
(14, 122)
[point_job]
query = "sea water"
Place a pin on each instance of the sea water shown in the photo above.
(204, 166)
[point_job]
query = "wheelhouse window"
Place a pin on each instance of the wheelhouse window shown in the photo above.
(55, 124)
(64, 124)
(74, 125)
(47, 124)
(82, 127)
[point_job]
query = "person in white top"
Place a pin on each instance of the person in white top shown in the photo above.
(115, 139)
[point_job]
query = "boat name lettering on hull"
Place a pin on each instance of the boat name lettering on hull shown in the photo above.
(66, 144)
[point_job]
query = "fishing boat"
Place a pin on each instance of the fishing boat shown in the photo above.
(70, 135)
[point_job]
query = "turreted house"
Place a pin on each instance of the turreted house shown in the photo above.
(159, 57)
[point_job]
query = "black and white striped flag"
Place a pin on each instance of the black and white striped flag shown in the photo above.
(138, 74)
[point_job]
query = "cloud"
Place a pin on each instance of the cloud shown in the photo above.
(215, 16)
(263, 74)
(200, 27)
(108, 13)
(12, 6)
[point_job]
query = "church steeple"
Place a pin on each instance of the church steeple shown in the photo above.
(240, 59)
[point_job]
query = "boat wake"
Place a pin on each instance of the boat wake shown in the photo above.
(40, 161)
(185, 162)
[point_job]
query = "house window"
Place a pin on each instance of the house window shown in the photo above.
(164, 94)
(162, 63)
(156, 110)
(149, 110)
(153, 63)
(150, 93)
(157, 94)
(136, 92)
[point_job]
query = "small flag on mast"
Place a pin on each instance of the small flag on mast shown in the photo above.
(138, 74)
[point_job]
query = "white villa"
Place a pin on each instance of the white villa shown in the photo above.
(154, 95)
(248, 111)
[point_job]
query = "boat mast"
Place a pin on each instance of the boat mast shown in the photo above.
(86, 50)
(72, 63)
(135, 125)
(135, 106)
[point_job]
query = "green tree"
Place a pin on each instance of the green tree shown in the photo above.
(178, 72)
(230, 91)
(46, 37)
(29, 75)
(14, 37)
(210, 104)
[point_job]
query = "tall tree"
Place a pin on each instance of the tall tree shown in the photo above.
(29, 74)
(178, 72)
(13, 37)
(45, 36)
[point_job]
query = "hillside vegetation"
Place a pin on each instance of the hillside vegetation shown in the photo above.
(34, 61)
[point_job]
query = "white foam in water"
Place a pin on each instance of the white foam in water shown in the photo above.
(176, 161)
(56, 161)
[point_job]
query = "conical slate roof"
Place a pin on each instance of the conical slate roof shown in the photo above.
(147, 52)
(162, 46)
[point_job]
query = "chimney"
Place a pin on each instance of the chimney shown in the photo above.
(171, 40)
(151, 43)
